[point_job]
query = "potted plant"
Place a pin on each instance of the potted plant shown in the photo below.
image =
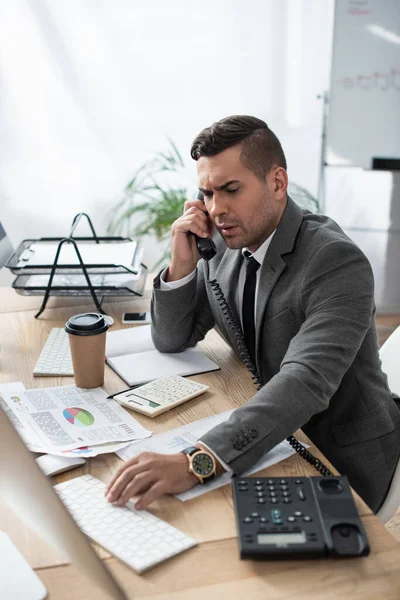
(152, 200)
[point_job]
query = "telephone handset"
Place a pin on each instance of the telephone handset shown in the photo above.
(205, 246)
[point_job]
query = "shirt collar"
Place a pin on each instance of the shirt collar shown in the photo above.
(260, 253)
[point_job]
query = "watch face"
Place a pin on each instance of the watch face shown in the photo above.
(202, 464)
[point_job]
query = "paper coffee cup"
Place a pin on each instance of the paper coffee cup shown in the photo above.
(87, 341)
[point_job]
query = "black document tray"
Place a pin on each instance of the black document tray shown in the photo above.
(77, 279)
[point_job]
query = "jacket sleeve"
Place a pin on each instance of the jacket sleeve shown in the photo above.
(180, 317)
(337, 295)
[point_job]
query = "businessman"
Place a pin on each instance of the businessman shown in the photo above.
(303, 294)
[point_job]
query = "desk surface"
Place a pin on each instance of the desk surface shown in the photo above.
(212, 569)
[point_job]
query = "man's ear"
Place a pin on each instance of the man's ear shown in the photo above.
(279, 182)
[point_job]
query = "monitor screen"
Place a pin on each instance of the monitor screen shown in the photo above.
(5, 247)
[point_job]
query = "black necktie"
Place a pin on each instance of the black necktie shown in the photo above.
(249, 293)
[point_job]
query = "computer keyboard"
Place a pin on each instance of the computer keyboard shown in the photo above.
(137, 538)
(55, 358)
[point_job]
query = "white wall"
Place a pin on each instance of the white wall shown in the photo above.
(95, 88)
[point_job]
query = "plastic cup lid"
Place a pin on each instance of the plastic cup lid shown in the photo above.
(86, 324)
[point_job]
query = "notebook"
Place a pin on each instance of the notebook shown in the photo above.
(133, 356)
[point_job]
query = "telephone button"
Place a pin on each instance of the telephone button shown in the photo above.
(300, 493)
(263, 520)
(287, 500)
(254, 433)
(247, 520)
(298, 513)
(291, 519)
(261, 501)
(254, 515)
(307, 519)
(274, 500)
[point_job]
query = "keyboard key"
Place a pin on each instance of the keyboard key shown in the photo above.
(138, 538)
(55, 358)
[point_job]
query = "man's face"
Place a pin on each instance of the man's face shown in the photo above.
(245, 209)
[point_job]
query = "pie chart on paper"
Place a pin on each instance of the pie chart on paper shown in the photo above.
(78, 416)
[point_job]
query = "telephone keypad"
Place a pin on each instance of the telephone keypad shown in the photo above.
(272, 509)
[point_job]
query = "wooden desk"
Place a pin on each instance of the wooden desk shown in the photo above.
(211, 570)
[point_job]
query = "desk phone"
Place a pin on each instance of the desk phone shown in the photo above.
(297, 517)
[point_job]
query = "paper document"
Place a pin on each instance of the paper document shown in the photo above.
(44, 253)
(133, 356)
(119, 280)
(68, 417)
(11, 387)
(91, 451)
(187, 435)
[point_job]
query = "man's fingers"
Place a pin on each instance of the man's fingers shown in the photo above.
(154, 492)
(194, 204)
(123, 480)
(129, 463)
(193, 222)
(140, 483)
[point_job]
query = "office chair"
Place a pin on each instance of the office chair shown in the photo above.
(389, 355)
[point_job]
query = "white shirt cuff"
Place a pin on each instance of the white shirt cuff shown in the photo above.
(227, 469)
(172, 285)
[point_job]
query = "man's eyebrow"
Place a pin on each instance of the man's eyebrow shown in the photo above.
(220, 187)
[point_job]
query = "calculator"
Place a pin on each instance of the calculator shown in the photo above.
(160, 395)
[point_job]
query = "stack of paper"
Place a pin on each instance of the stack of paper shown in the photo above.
(68, 420)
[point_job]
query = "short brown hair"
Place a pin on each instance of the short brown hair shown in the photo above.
(260, 148)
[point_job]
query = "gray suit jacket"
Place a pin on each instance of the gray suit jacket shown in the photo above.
(316, 351)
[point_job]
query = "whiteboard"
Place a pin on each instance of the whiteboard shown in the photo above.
(364, 102)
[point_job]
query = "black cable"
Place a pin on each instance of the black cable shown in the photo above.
(246, 359)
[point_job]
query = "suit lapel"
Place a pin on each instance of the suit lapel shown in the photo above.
(273, 265)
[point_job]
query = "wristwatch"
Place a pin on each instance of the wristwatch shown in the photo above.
(201, 463)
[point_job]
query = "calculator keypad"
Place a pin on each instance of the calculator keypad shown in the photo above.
(170, 389)
(161, 394)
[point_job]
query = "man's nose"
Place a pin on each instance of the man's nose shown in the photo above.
(218, 206)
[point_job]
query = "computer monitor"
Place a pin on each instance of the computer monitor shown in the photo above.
(25, 488)
(5, 247)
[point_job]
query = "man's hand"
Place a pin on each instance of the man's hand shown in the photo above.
(149, 476)
(183, 246)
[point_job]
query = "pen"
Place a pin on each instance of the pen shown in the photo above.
(123, 391)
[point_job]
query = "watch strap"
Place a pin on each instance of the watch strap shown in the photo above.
(190, 450)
